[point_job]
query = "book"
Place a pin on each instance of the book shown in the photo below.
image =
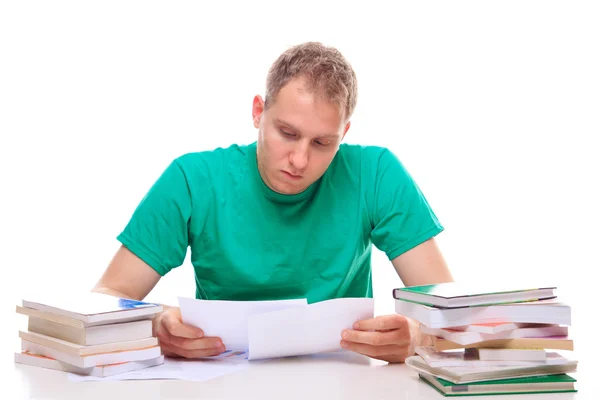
(460, 294)
(468, 374)
(100, 371)
(465, 337)
(93, 335)
(500, 354)
(495, 327)
(559, 383)
(79, 350)
(552, 342)
(541, 312)
(91, 308)
(93, 359)
(463, 358)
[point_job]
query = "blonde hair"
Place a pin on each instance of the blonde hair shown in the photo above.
(325, 69)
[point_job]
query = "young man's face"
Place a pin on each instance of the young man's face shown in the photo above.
(298, 136)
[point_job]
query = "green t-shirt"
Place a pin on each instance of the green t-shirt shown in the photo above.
(250, 243)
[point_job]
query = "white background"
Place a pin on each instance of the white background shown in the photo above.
(494, 108)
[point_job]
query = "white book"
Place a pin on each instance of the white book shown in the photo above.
(511, 355)
(93, 335)
(464, 294)
(465, 337)
(460, 358)
(496, 327)
(100, 371)
(79, 350)
(91, 360)
(92, 308)
(466, 374)
(543, 312)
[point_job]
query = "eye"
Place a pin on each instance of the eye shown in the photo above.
(322, 142)
(286, 133)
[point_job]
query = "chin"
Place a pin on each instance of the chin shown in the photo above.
(289, 189)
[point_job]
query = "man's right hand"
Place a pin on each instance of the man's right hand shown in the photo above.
(181, 340)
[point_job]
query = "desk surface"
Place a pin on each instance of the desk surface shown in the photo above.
(339, 376)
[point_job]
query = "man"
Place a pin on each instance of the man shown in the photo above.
(293, 215)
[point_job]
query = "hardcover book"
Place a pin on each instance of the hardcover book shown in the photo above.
(456, 294)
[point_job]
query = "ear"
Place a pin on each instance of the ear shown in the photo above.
(346, 129)
(258, 106)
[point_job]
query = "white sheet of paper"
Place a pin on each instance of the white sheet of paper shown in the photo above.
(306, 330)
(229, 319)
(175, 368)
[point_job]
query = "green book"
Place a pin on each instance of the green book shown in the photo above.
(560, 383)
(456, 294)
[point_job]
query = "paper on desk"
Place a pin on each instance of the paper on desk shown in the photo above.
(306, 330)
(229, 319)
(180, 368)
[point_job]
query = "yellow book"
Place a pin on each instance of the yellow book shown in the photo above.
(555, 343)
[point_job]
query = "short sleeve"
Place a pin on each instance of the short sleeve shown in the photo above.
(401, 215)
(158, 229)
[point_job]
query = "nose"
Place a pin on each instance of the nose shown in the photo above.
(299, 157)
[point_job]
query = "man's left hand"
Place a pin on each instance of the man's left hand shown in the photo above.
(390, 338)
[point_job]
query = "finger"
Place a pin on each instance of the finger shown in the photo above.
(164, 336)
(169, 349)
(382, 323)
(167, 352)
(398, 337)
(177, 328)
(372, 351)
(196, 344)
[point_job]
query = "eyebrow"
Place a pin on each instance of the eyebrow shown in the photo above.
(292, 127)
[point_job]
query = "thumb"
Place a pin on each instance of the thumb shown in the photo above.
(173, 323)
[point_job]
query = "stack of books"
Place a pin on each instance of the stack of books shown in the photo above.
(89, 334)
(490, 339)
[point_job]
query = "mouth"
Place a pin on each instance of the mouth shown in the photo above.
(291, 176)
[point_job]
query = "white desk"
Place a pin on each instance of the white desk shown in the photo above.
(341, 376)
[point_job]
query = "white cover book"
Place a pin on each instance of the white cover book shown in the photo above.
(91, 360)
(460, 358)
(79, 350)
(93, 335)
(478, 374)
(100, 371)
(543, 312)
(510, 355)
(488, 328)
(466, 337)
(94, 308)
